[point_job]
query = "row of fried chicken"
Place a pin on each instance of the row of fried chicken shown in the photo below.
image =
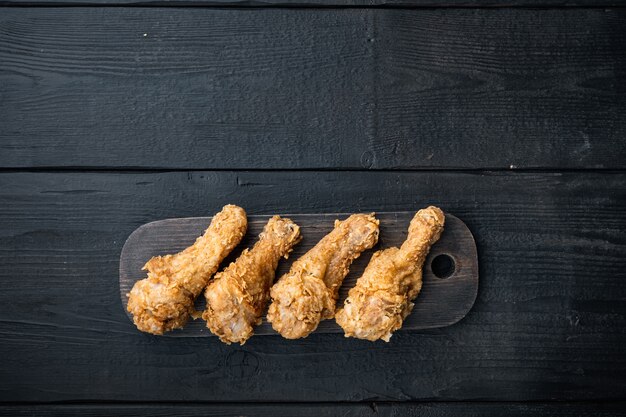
(237, 296)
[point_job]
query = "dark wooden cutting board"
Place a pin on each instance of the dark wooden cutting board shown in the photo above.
(444, 299)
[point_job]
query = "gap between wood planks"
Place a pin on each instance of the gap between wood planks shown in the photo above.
(142, 170)
(208, 4)
(374, 408)
(381, 409)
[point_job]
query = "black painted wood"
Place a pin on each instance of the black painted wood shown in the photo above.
(548, 322)
(315, 88)
(332, 3)
(441, 302)
(462, 409)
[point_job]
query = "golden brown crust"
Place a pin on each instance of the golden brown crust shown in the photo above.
(164, 300)
(238, 295)
(383, 295)
(307, 294)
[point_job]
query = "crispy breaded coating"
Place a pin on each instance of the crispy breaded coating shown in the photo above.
(382, 297)
(164, 301)
(307, 294)
(237, 297)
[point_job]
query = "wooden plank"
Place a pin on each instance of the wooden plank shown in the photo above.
(442, 302)
(208, 88)
(548, 323)
(432, 409)
(333, 3)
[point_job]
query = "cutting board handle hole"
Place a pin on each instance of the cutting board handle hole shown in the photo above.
(443, 266)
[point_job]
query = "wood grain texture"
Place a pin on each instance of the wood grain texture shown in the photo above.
(548, 322)
(332, 3)
(317, 88)
(462, 409)
(441, 302)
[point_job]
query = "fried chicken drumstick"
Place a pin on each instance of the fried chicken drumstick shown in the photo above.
(382, 297)
(307, 294)
(237, 297)
(164, 300)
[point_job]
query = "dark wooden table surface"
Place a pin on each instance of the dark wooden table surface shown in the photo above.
(508, 114)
